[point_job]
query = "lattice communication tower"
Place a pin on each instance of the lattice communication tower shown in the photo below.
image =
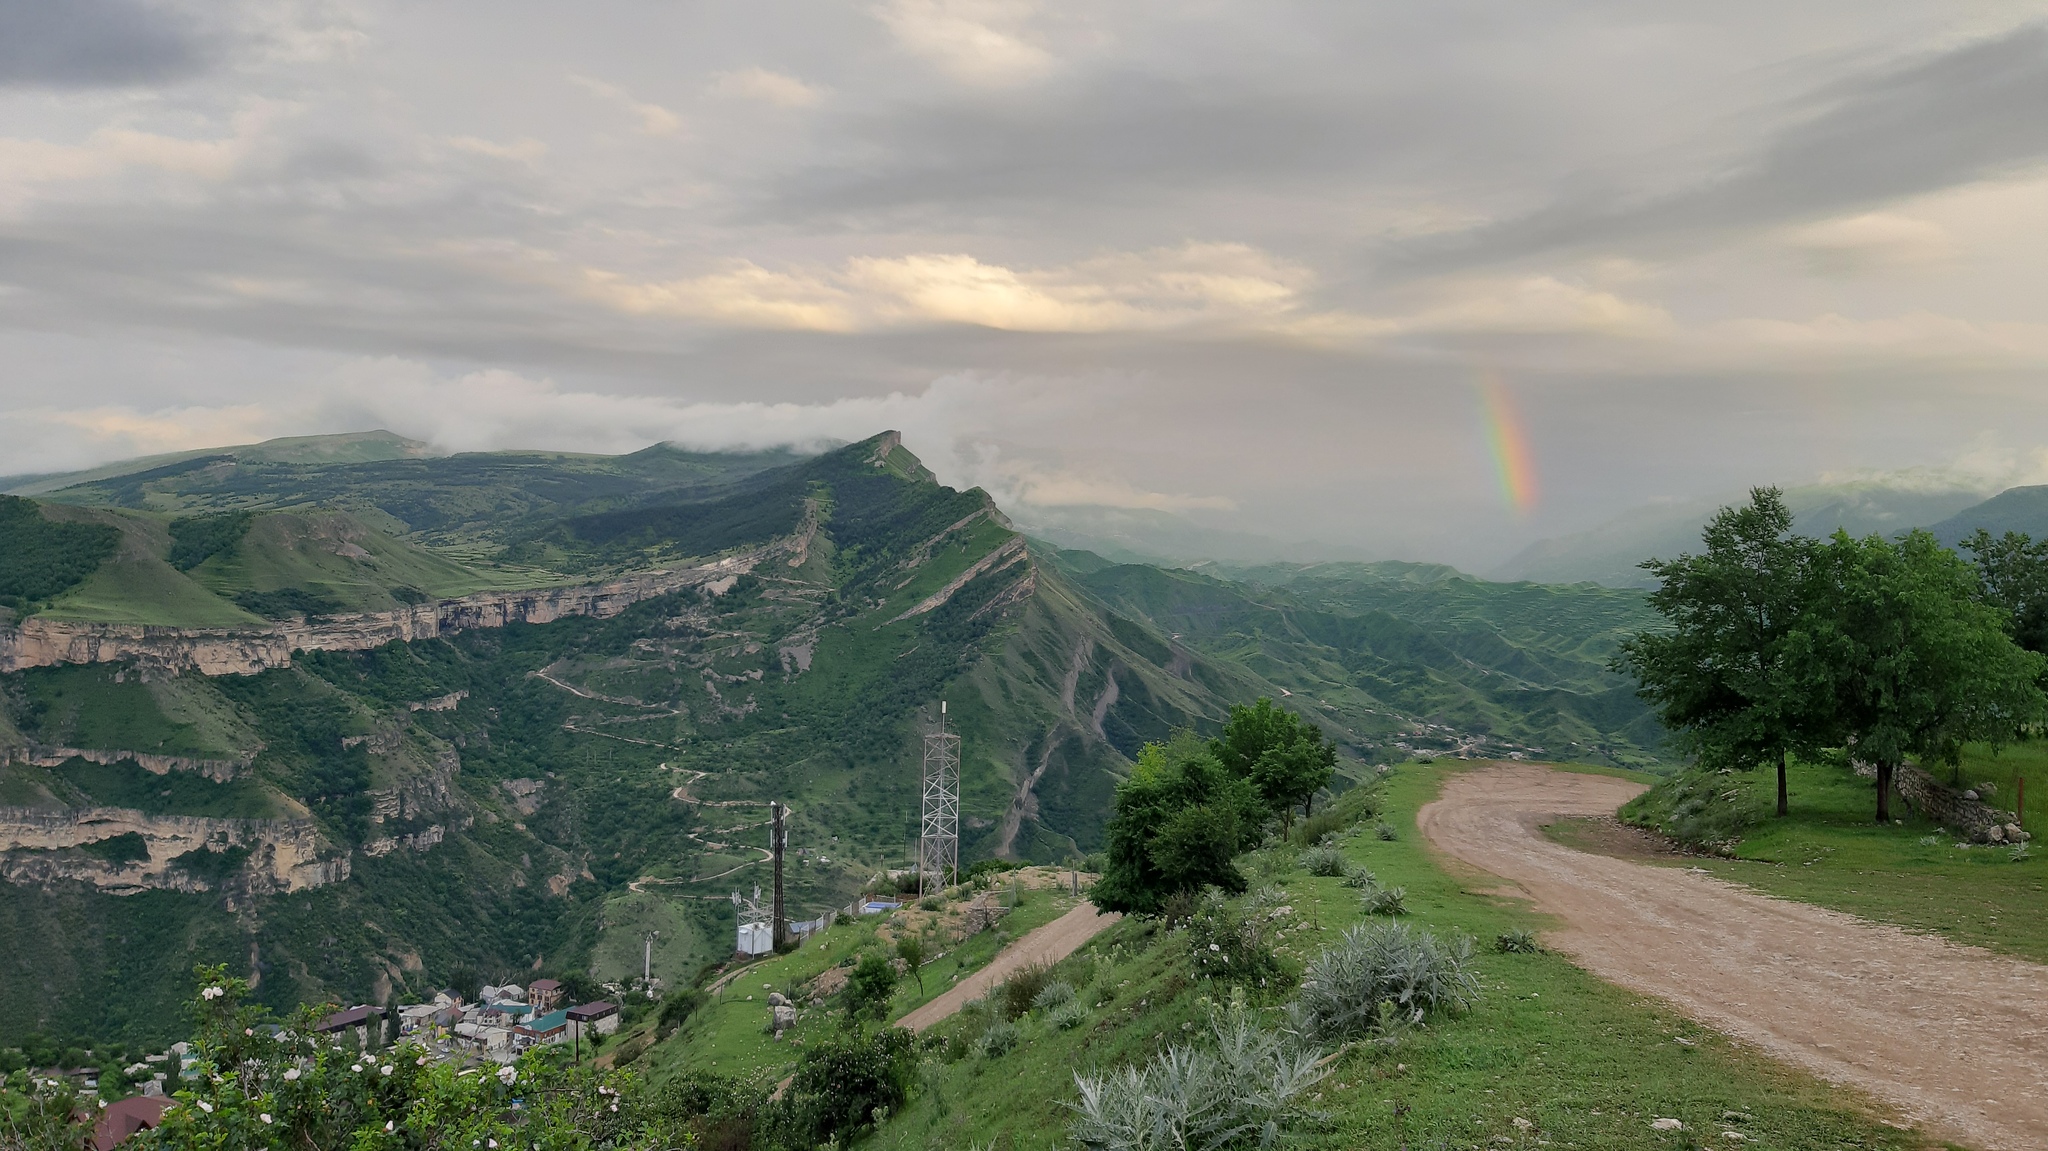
(938, 845)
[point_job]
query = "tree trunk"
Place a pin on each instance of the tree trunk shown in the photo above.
(1784, 802)
(1884, 792)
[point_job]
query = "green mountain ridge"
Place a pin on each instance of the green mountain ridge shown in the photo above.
(534, 797)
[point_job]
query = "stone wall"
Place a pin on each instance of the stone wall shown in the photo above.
(1971, 818)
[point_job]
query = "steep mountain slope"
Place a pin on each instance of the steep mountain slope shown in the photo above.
(521, 781)
(1612, 553)
(2023, 510)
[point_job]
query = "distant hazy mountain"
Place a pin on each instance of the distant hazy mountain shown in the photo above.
(2012, 510)
(1143, 535)
(344, 448)
(1611, 553)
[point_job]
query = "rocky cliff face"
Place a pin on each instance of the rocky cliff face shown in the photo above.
(285, 854)
(38, 642)
(217, 770)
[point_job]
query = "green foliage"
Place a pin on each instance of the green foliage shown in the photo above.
(1325, 860)
(870, 987)
(1385, 832)
(120, 850)
(1520, 941)
(677, 1007)
(1727, 673)
(1377, 964)
(1910, 662)
(42, 558)
(196, 539)
(1245, 1088)
(1019, 993)
(1067, 1016)
(210, 866)
(1377, 900)
(844, 1084)
(910, 949)
(2013, 570)
(1228, 945)
(290, 602)
(999, 1039)
(1699, 808)
(1056, 993)
(1180, 820)
(1287, 758)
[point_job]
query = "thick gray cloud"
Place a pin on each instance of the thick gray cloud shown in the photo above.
(78, 43)
(1973, 111)
(1296, 269)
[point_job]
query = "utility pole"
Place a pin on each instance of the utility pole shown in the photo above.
(778, 838)
(647, 961)
(938, 847)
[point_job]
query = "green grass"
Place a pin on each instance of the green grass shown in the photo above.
(1589, 1064)
(1829, 852)
(107, 706)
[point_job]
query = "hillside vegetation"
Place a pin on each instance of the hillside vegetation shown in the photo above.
(537, 797)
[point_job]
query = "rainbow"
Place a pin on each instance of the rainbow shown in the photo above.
(1508, 441)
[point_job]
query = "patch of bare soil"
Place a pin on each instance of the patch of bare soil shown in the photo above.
(1955, 1037)
(1047, 945)
(1609, 836)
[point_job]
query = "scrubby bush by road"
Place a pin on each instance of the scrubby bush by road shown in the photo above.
(1243, 1089)
(1412, 972)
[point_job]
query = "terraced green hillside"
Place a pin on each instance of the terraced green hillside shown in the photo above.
(536, 797)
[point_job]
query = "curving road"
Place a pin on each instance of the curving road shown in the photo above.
(1044, 945)
(1955, 1037)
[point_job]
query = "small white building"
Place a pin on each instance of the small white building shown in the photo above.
(756, 938)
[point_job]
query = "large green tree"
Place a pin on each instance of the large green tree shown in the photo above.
(1287, 758)
(1722, 674)
(1912, 663)
(1178, 822)
(2013, 572)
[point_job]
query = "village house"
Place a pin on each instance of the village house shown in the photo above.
(593, 1019)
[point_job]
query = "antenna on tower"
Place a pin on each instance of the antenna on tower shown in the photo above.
(938, 844)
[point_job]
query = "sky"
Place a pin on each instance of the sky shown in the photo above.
(1424, 281)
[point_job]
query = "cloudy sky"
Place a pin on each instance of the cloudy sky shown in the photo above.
(1426, 280)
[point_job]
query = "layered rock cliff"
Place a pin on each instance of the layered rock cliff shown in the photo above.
(39, 642)
(283, 854)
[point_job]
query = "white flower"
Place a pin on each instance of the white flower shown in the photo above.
(391, 1125)
(205, 1106)
(422, 1061)
(386, 1069)
(1213, 947)
(265, 1117)
(291, 1073)
(248, 1031)
(507, 1075)
(213, 993)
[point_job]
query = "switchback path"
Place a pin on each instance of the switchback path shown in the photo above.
(1048, 944)
(1955, 1037)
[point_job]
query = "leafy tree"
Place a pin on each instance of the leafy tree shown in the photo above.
(2013, 571)
(1178, 822)
(41, 558)
(1722, 676)
(1287, 758)
(844, 1085)
(1911, 661)
(910, 949)
(870, 988)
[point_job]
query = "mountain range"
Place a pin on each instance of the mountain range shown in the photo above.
(354, 715)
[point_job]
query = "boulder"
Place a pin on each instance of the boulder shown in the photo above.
(777, 999)
(785, 1017)
(2016, 834)
(1971, 794)
(1994, 834)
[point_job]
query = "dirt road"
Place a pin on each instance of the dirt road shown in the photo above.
(1049, 944)
(1955, 1037)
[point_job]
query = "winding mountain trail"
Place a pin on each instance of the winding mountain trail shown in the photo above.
(1955, 1037)
(1045, 945)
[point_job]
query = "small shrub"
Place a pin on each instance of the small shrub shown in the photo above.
(1385, 900)
(1385, 831)
(1380, 977)
(1055, 993)
(1021, 990)
(841, 1083)
(999, 1040)
(1229, 945)
(1067, 1016)
(1324, 860)
(1177, 907)
(931, 903)
(1244, 1088)
(1361, 877)
(1517, 942)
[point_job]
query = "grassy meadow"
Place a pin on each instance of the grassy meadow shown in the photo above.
(1829, 851)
